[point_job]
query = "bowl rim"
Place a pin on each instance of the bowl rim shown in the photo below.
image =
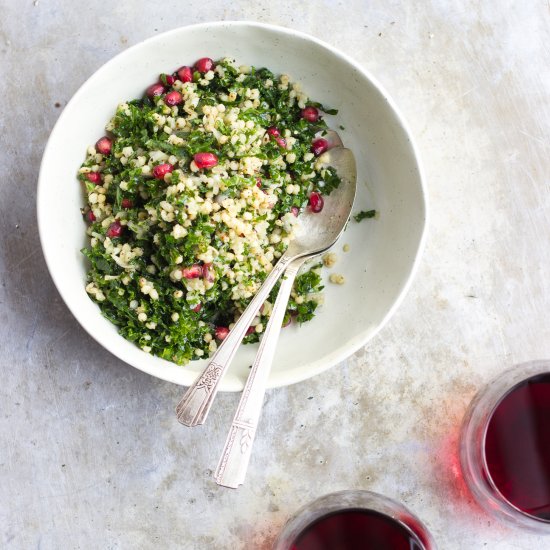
(278, 379)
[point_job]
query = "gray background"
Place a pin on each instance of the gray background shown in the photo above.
(91, 454)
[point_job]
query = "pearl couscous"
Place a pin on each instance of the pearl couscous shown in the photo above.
(193, 196)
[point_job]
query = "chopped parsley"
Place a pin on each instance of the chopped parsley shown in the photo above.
(364, 214)
(192, 198)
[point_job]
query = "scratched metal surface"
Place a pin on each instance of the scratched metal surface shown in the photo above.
(91, 455)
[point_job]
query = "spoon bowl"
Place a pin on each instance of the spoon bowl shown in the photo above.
(317, 232)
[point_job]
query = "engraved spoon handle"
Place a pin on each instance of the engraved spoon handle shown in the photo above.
(195, 405)
(233, 464)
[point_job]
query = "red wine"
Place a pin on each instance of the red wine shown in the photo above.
(517, 446)
(356, 529)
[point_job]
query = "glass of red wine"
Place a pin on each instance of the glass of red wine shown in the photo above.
(354, 520)
(505, 447)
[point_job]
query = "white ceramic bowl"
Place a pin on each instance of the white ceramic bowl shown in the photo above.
(383, 252)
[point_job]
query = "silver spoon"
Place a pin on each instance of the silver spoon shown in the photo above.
(237, 450)
(317, 233)
(231, 470)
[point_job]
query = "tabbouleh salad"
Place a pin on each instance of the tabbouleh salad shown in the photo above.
(193, 196)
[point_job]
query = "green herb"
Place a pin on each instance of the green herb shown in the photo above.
(364, 214)
(309, 281)
(321, 107)
(331, 180)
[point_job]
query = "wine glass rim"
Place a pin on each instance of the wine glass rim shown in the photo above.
(376, 502)
(498, 402)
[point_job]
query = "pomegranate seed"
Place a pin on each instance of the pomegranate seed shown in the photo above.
(115, 229)
(281, 142)
(127, 203)
(274, 132)
(155, 89)
(160, 170)
(185, 74)
(316, 202)
(319, 146)
(170, 79)
(91, 216)
(104, 145)
(208, 273)
(221, 333)
(204, 64)
(295, 210)
(197, 308)
(173, 98)
(249, 330)
(193, 272)
(259, 182)
(205, 160)
(311, 114)
(94, 177)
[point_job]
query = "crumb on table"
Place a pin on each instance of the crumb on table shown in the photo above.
(329, 259)
(337, 279)
(345, 248)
